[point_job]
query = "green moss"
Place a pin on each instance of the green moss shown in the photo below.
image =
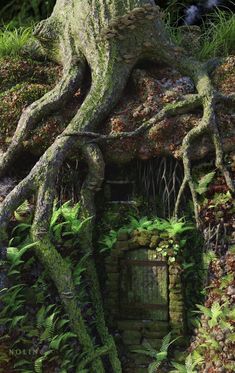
(21, 83)
(11, 104)
(17, 70)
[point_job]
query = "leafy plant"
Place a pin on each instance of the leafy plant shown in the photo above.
(213, 313)
(202, 184)
(158, 356)
(108, 241)
(12, 41)
(65, 222)
(190, 364)
(30, 316)
(14, 256)
(140, 224)
(172, 226)
(220, 199)
(19, 12)
(218, 35)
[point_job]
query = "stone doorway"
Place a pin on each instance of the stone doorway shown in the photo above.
(143, 292)
(143, 299)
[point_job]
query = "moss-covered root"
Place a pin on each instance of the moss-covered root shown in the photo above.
(58, 269)
(104, 94)
(32, 115)
(91, 185)
(207, 124)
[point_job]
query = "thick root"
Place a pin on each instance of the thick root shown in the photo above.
(31, 116)
(102, 97)
(208, 125)
(57, 267)
(90, 186)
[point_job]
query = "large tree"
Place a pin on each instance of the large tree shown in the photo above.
(109, 38)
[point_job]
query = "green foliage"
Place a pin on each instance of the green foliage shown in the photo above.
(12, 41)
(214, 314)
(169, 230)
(217, 33)
(220, 199)
(218, 36)
(158, 356)
(191, 362)
(202, 184)
(32, 313)
(14, 256)
(172, 227)
(65, 223)
(108, 241)
(19, 12)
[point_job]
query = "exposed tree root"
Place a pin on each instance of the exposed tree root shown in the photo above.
(51, 101)
(41, 179)
(208, 125)
(90, 186)
(57, 267)
(104, 39)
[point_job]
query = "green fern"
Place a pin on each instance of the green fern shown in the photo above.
(59, 339)
(202, 185)
(191, 362)
(38, 364)
(14, 255)
(158, 356)
(214, 313)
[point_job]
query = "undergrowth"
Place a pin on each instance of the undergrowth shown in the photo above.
(216, 38)
(21, 12)
(12, 41)
(35, 336)
(217, 35)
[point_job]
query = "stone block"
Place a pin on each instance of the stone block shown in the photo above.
(159, 326)
(140, 369)
(131, 337)
(174, 297)
(129, 325)
(179, 305)
(111, 302)
(176, 300)
(176, 317)
(112, 268)
(113, 295)
(137, 358)
(155, 342)
(154, 334)
(133, 244)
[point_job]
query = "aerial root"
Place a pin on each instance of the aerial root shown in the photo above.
(56, 266)
(91, 185)
(189, 103)
(208, 124)
(41, 180)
